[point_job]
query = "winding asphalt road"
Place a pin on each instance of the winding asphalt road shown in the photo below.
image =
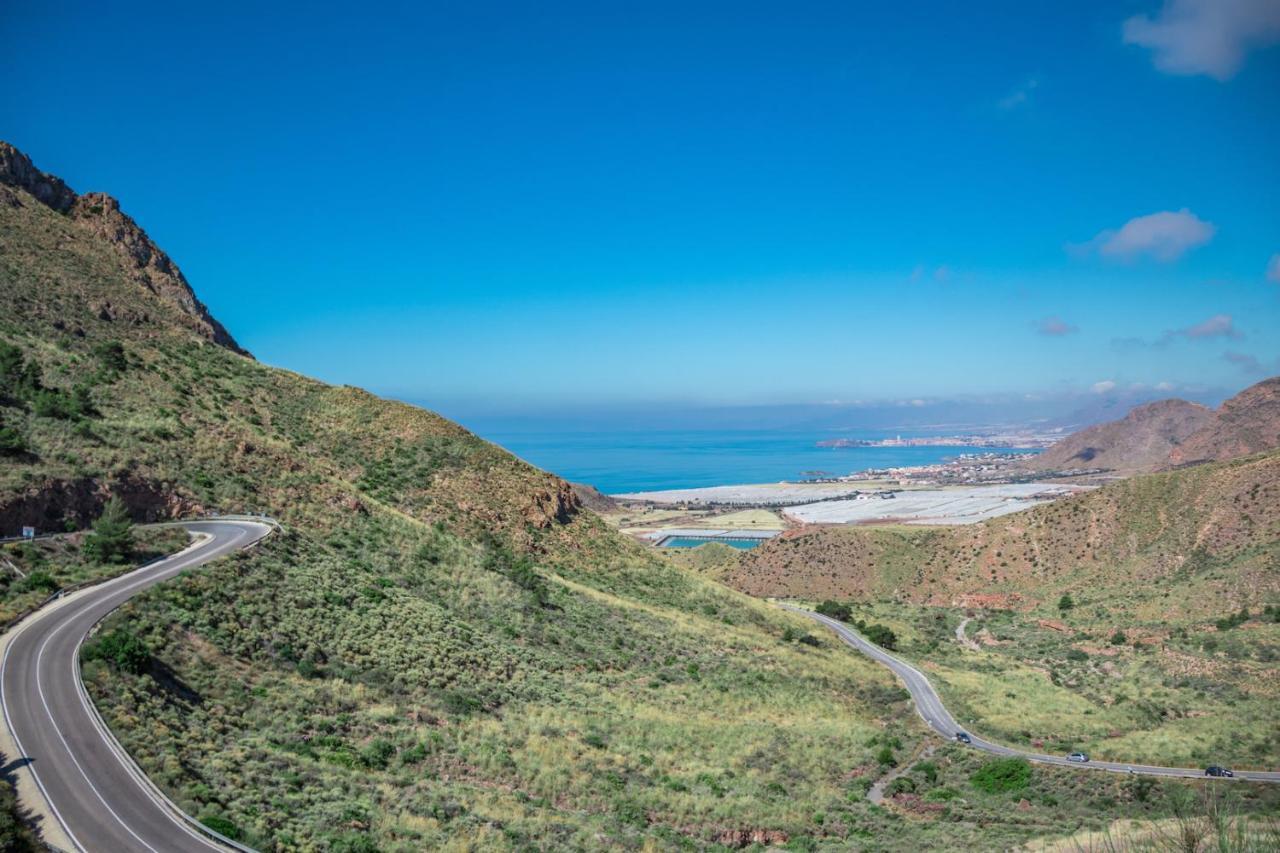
(933, 712)
(97, 794)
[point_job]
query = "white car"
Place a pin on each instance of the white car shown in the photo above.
(1078, 756)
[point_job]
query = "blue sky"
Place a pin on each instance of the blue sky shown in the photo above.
(513, 206)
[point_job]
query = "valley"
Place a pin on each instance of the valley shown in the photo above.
(444, 647)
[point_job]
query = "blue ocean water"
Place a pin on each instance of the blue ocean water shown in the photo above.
(617, 461)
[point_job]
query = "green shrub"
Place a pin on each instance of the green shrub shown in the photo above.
(881, 635)
(122, 649)
(1118, 638)
(222, 826)
(1002, 775)
(12, 442)
(835, 610)
(41, 581)
(1226, 623)
(1065, 603)
(111, 358)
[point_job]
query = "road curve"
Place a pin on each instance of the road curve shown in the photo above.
(94, 792)
(933, 712)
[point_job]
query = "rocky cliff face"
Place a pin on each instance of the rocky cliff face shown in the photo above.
(100, 215)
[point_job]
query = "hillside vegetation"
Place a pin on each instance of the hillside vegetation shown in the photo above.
(443, 649)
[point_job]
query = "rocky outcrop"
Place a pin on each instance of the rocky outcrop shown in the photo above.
(100, 214)
(53, 504)
(593, 499)
(553, 507)
(17, 170)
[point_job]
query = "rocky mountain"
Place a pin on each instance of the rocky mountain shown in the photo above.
(1170, 433)
(99, 216)
(1247, 423)
(1140, 441)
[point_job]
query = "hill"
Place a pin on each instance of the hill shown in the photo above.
(1202, 540)
(1247, 423)
(444, 647)
(1169, 433)
(1140, 441)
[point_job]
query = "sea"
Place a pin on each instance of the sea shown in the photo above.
(617, 462)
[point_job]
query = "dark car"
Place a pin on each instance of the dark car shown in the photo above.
(963, 737)
(1215, 770)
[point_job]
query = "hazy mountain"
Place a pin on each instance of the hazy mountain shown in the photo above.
(1141, 440)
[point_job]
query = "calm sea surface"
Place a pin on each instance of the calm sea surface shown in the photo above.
(681, 459)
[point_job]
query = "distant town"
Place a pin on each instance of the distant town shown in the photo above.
(1021, 441)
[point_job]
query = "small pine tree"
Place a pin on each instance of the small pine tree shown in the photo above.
(112, 538)
(1065, 603)
(12, 442)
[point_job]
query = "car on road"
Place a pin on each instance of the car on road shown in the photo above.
(1078, 756)
(1215, 770)
(963, 737)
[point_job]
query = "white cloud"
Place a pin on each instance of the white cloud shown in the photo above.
(1104, 386)
(1273, 269)
(1018, 96)
(1165, 386)
(1205, 36)
(1164, 236)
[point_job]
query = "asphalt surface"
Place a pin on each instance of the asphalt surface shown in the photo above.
(933, 712)
(94, 792)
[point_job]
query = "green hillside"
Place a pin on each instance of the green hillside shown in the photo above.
(443, 649)
(1193, 543)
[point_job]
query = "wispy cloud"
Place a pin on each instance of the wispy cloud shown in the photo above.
(1273, 269)
(1244, 361)
(1210, 37)
(1104, 386)
(1019, 96)
(1056, 327)
(1217, 326)
(1164, 236)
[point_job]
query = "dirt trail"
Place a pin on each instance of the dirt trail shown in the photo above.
(876, 792)
(963, 638)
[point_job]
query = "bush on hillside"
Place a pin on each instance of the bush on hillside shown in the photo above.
(1002, 775)
(835, 610)
(1226, 623)
(881, 635)
(121, 649)
(12, 442)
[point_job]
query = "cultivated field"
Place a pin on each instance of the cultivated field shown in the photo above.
(931, 506)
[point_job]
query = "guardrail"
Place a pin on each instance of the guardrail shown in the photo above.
(104, 730)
